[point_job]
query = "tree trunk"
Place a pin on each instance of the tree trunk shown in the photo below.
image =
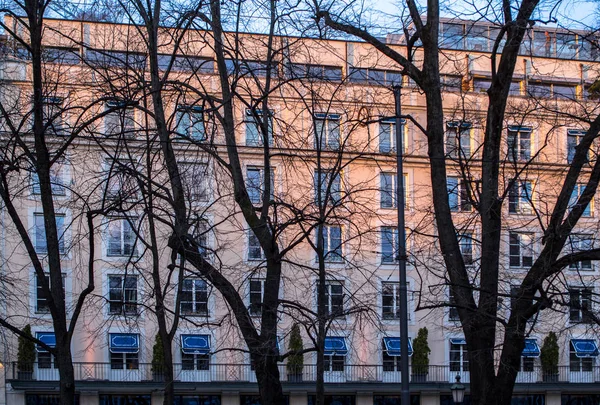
(269, 383)
(66, 371)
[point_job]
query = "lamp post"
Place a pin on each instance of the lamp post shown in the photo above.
(458, 391)
(404, 372)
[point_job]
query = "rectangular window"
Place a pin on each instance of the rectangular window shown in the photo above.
(39, 233)
(52, 111)
(334, 363)
(580, 243)
(201, 232)
(332, 243)
(459, 357)
(452, 310)
(255, 251)
(465, 242)
(520, 249)
(575, 196)
(327, 131)
(574, 137)
(387, 183)
(127, 361)
(254, 120)
(255, 177)
(458, 139)
(579, 364)
(119, 121)
(389, 244)
(58, 180)
(458, 194)
(527, 364)
(390, 363)
(387, 135)
(452, 36)
(194, 177)
(520, 197)
(257, 289)
(519, 143)
(580, 303)
(327, 187)
(122, 295)
(194, 297)
(121, 237)
(390, 300)
(186, 63)
(121, 181)
(334, 299)
(41, 299)
(199, 362)
(190, 123)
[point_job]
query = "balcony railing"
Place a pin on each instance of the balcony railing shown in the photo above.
(143, 372)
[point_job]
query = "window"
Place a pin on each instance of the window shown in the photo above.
(316, 72)
(451, 82)
(198, 362)
(327, 187)
(452, 36)
(124, 350)
(257, 289)
(121, 182)
(52, 111)
(327, 131)
(389, 244)
(387, 190)
(465, 242)
(39, 233)
(254, 121)
(519, 143)
(527, 364)
(186, 63)
(520, 249)
(458, 139)
(458, 194)
(255, 251)
(580, 303)
(452, 310)
(104, 58)
(122, 295)
(387, 135)
(119, 121)
(374, 77)
(334, 363)
(58, 180)
(41, 298)
(390, 300)
(194, 177)
(194, 297)
(200, 233)
(577, 363)
(580, 243)
(574, 137)
(459, 357)
(44, 358)
(390, 363)
(334, 298)
(332, 243)
(575, 196)
(127, 361)
(520, 197)
(121, 237)
(255, 177)
(190, 123)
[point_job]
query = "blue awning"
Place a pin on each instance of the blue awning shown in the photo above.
(519, 128)
(585, 348)
(455, 124)
(531, 348)
(392, 120)
(124, 342)
(335, 346)
(323, 116)
(577, 132)
(48, 338)
(458, 341)
(392, 346)
(195, 344)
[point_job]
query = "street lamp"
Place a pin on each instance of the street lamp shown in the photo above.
(458, 391)
(403, 294)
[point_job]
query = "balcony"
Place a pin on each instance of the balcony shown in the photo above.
(242, 373)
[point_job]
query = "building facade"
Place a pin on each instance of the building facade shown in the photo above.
(332, 97)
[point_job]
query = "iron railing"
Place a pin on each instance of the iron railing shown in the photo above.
(138, 372)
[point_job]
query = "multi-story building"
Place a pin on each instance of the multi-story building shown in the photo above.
(339, 90)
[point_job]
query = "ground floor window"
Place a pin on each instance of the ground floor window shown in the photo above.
(533, 399)
(333, 400)
(394, 400)
(41, 399)
(197, 400)
(255, 399)
(125, 399)
(581, 399)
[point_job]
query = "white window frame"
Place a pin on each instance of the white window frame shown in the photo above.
(39, 233)
(460, 191)
(123, 221)
(521, 197)
(254, 243)
(188, 125)
(197, 185)
(253, 132)
(124, 302)
(329, 298)
(194, 300)
(578, 242)
(328, 131)
(455, 143)
(524, 248)
(125, 120)
(259, 189)
(517, 151)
